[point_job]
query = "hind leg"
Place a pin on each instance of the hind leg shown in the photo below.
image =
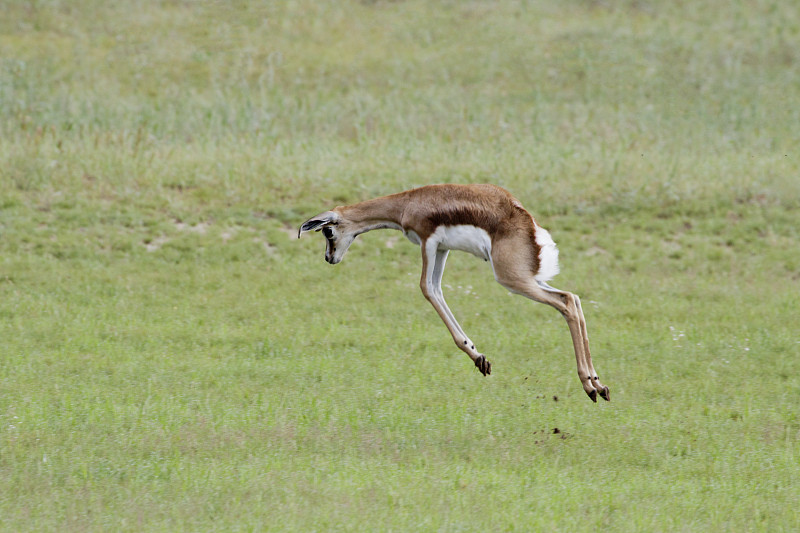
(602, 389)
(511, 263)
(584, 336)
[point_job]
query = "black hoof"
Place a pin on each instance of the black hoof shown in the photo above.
(605, 394)
(483, 365)
(593, 395)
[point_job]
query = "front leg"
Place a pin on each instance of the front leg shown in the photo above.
(433, 261)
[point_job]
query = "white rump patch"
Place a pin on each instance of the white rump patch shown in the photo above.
(548, 255)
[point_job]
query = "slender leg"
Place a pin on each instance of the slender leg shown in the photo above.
(574, 315)
(436, 278)
(603, 390)
(510, 270)
(565, 303)
(430, 283)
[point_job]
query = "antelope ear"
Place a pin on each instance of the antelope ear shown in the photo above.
(316, 223)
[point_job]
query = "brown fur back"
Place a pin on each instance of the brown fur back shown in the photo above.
(488, 207)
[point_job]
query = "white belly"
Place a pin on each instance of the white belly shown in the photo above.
(465, 238)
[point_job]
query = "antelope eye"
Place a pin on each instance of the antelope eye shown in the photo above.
(328, 232)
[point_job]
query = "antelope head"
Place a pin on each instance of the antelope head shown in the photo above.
(334, 228)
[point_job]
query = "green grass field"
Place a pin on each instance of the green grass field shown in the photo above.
(173, 358)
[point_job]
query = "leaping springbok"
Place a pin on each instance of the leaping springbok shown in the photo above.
(484, 220)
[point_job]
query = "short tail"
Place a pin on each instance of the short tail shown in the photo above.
(548, 255)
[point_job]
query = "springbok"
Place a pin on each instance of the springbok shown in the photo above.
(484, 220)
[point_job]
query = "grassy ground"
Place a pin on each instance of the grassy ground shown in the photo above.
(171, 359)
